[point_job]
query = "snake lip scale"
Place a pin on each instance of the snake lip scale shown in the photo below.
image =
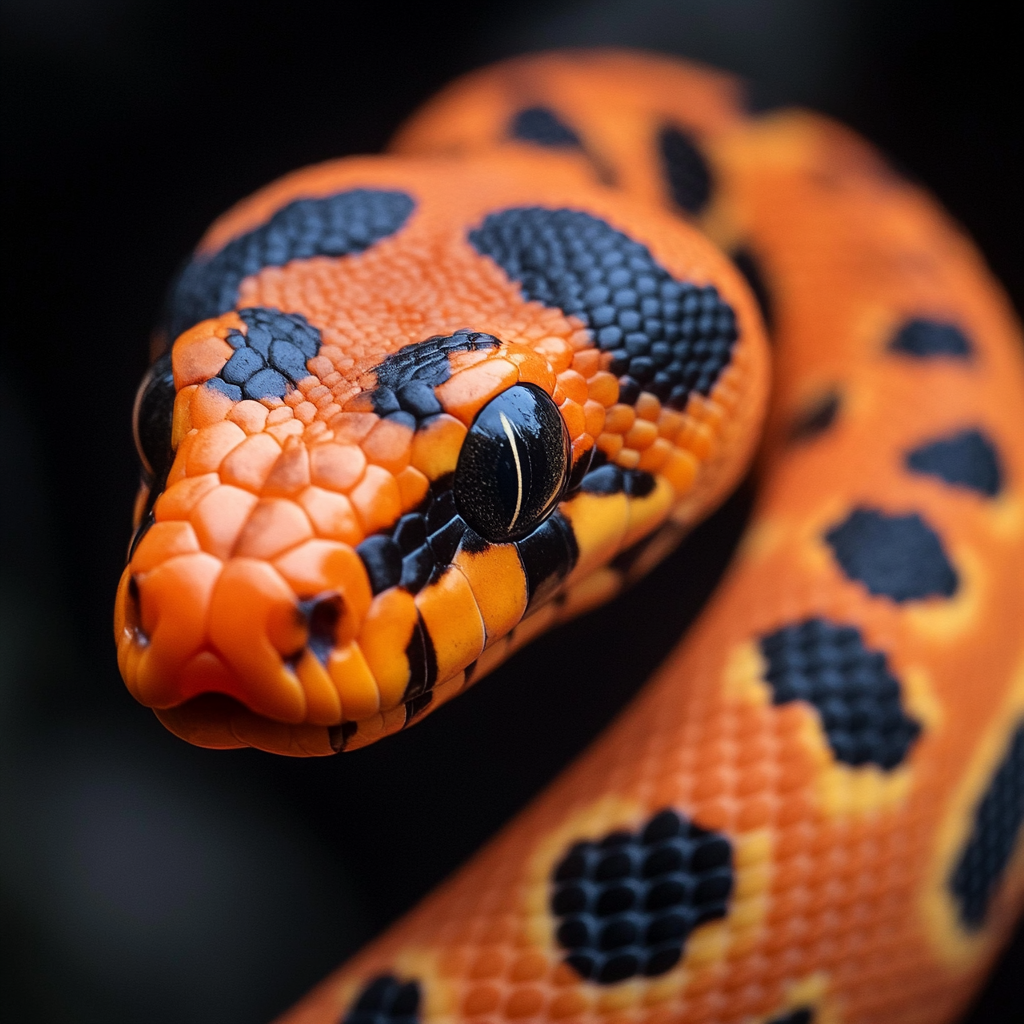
(410, 411)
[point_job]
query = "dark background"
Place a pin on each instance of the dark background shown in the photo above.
(147, 881)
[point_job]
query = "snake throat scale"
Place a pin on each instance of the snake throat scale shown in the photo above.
(409, 411)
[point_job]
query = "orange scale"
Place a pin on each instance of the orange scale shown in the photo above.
(450, 614)
(524, 1002)
(174, 600)
(755, 812)
(610, 444)
(355, 682)
(161, 542)
(531, 966)
(293, 399)
(654, 457)
(249, 415)
(376, 499)
(620, 418)
(220, 517)
(412, 486)
(281, 413)
(465, 393)
(641, 435)
(436, 446)
(253, 624)
(305, 412)
(336, 466)
(211, 446)
(282, 432)
(290, 473)
(587, 363)
(180, 498)
(481, 999)
(388, 445)
(594, 417)
(332, 515)
(352, 427)
(628, 458)
(533, 369)
(604, 388)
(557, 352)
(574, 417)
(648, 407)
(320, 365)
(385, 634)
(181, 416)
(199, 355)
(275, 525)
(488, 964)
(249, 465)
(208, 407)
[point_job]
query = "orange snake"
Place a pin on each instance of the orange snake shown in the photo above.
(421, 407)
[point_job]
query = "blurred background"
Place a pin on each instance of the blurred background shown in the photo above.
(144, 880)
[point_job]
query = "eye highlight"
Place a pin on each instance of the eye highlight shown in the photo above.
(513, 465)
(152, 418)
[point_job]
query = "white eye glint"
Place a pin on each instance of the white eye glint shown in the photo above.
(510, 434)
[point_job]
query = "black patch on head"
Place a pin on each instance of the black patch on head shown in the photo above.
(339, 225)
(607, 478)
(997, 822)
(666, 337)
(320, 616)
(628, 902)
(686, 170)
(750, 267)
(927, 339)
(543, 127)
(900, 557)
(424, 363)
(965, 459)
(801, 1015)
(269, 358)
(850, 686)
(816, 418)
(386, 1000)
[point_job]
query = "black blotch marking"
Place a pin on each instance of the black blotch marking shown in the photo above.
(383, 561)
(321, 615)
(928, 339)
(606, 478)
(686, 170)
(386, 1000)
(851, 686)
(816, 418)
(270, 357)
(339, 735)
(666, 337)
(543, 127)
(801, 1015)
(422, 663)
(339, 225)
(548, 555)
(406, 380)
(750, 267)
(505, 488)
(627, 903)
(900, 557)
(997, 823)
(964, 459)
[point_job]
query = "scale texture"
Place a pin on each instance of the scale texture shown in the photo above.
(441, 403)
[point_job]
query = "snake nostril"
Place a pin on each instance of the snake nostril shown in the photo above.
(133, 612)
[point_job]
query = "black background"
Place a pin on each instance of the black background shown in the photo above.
(144, 880)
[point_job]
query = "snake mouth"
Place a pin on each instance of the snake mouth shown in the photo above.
(220, 722)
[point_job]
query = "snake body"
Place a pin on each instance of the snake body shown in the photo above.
(419, 408)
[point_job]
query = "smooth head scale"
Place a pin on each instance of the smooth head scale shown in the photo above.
(414, 412)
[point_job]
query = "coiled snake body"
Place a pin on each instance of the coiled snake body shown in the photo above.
(419, 408)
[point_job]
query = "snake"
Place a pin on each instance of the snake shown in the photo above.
(406, 412)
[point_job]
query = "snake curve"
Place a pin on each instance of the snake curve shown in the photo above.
(421, 407)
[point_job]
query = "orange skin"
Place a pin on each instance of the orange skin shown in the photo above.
(840, 903)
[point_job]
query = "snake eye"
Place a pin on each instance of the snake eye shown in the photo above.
(152, 417)
(513, 465)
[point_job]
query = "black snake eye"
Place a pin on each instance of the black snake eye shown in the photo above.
(513, 465)
(152, 416)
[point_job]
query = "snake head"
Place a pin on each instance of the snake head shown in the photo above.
(414, 413)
